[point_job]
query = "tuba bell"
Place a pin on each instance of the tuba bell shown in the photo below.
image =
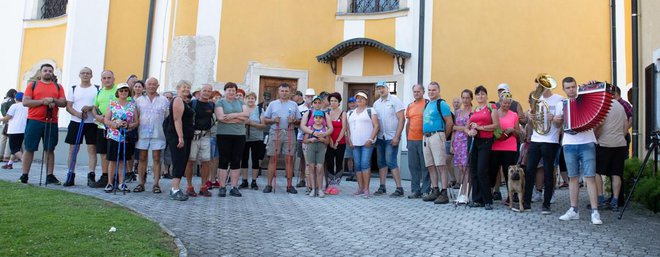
(540, 108)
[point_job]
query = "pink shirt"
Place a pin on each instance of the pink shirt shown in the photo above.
(483, 118)
(507, 143)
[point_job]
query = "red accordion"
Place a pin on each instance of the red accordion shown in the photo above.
(589, 108)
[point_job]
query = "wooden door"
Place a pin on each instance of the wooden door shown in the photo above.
(368, 88)
(270, 84)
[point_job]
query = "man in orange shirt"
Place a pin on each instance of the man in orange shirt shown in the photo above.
(42, 98)
(414, 126)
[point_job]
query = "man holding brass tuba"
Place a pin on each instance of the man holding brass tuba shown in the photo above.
(544, 141)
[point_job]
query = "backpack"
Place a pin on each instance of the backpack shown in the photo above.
(368, 112)
(194, 102)
(73, 88)
(34, 84)
(453, 117)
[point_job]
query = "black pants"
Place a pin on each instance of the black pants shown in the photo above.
(501, 159)
(334, 161)
(479, 164)
(535, 151)
(257, 148)
(231, 151)
(179, 156)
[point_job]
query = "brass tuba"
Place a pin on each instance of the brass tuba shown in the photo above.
(540, 108)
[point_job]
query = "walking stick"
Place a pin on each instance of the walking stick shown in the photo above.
(465, 175)
(115, 184)
(49, 115)
(275, 155)
(76, 148)
(288, 149)
(123, 183)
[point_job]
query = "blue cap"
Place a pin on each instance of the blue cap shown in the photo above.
(317, 98)
(380, 84)
(319, 113)
(19, 96)
(351, 100)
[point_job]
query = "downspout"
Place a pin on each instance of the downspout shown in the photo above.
(613, 38)
(420, 51)
(147, 48)
(635, 79)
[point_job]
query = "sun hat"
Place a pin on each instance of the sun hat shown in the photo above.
(310, 91)
(361, 94)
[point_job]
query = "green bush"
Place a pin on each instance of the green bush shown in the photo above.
(630, 171)
(648, 193)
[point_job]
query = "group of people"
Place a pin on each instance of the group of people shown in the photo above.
(467, 147)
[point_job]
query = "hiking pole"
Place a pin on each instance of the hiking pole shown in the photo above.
(276, 154)
(467, 189)
(288, 150)
(123, 183)
(115, 184)
(76, 148)
(49, 115)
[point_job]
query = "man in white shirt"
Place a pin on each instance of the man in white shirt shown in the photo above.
(580, 156)
(391, 117)
(80, 103)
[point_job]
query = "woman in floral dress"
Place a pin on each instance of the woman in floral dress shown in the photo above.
(460, 143)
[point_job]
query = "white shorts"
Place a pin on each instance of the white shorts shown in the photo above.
(434, 150)
(200, 149)
(150, 144)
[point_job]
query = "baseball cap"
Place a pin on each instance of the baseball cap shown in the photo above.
(317, 98)
(19, 96)
(380, 84)
(298, 93)
(361, 94)
(351, 99)
(310, 91)
(504, 86)
(122, 85)
(266, 95)
(319, 113)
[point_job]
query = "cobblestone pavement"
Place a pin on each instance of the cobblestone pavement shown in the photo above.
(281, 224)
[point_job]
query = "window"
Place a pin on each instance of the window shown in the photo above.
(53, 8)
(392, 86)
(372, 6)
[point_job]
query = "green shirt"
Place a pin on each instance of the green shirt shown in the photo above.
(230, 128)
(103, 99)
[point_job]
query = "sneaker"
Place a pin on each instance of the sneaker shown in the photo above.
(475, 205)
(442, 198)
(537, 196)
(462, 199)
(553, 200)
(381, 190)
(108, 188)
(311, 193)
(234, 192)
(397, 193)
(615, 207)
(563, 185)
(103, 180)
(204, 191)
(301, 184)
(208, 185)
(545, 210)
(178, 195)
(222, 192)
(215, 184)
(291, 190)
(571, 215)
(190, 191)
(124, 188)
(435, 192)
(130, 177)
(244, 185)
(51, 179)
(8, 166)
(321, 194)
(415, 195)
(268, 189)
(90, 179)
(254, 186)
(595, 218)
(23, 179)
(488, 207)
(497, 196)
(525, 209)
(70, 180)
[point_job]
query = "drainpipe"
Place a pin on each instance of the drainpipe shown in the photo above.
(635, 78)
(613, 38)
(420, 51)
(147, 48)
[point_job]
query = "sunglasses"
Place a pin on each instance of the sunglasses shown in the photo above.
(123, 90)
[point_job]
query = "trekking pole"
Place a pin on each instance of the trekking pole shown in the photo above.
(115, 184)
(76, 148)
(49, 115)
(123, 183)
(276, 154)
(288, 149)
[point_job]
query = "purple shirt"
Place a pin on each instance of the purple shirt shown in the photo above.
(627, 107)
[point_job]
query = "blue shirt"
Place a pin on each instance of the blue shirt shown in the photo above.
(432, 120)
(283, 110)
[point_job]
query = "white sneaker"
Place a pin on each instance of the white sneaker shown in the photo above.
(311, 193)
(571, 215)
(321, 194)
(537, 196)
(553, 200)
(595, 218)
(462, 199)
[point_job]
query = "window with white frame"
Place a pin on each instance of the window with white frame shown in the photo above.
(372, 6)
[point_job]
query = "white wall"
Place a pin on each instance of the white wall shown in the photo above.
(11, 44)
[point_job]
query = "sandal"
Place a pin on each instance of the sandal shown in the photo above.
(156, 189)
(138, 188)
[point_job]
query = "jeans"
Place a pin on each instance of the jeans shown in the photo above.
(580, 160)
(535, 151)
(362, 158)
(418, 172)
(479, 164)
(387, 154)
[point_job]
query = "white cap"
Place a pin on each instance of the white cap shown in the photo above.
(361, 94)
(504, 86)
(310, 91)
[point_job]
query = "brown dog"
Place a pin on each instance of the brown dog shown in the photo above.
(516, 185)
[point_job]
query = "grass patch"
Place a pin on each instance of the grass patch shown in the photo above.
(42, 222)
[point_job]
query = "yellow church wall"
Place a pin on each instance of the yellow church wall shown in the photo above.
(377, 62)
(186, 18)
(279, 34)
(483, 42)
(126, 38)
(42, 43)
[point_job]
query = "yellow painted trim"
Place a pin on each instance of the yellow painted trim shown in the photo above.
(45, 23)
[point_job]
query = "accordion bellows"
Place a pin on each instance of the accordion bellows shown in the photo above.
(589, 108)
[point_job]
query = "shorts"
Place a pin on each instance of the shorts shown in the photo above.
(386, 154)
(200, 149)
(15, 142)
(348, 154)
(150, 144)
(610, 160)
(434, 150)
(214, 147)
(300, 152)
(362, 158)
(88, 133)
(34, 131)
(316, 153)
(101, 141)
(112, 151)
(448, 147)
(283, 144)
(231, 151)
(580, 160)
